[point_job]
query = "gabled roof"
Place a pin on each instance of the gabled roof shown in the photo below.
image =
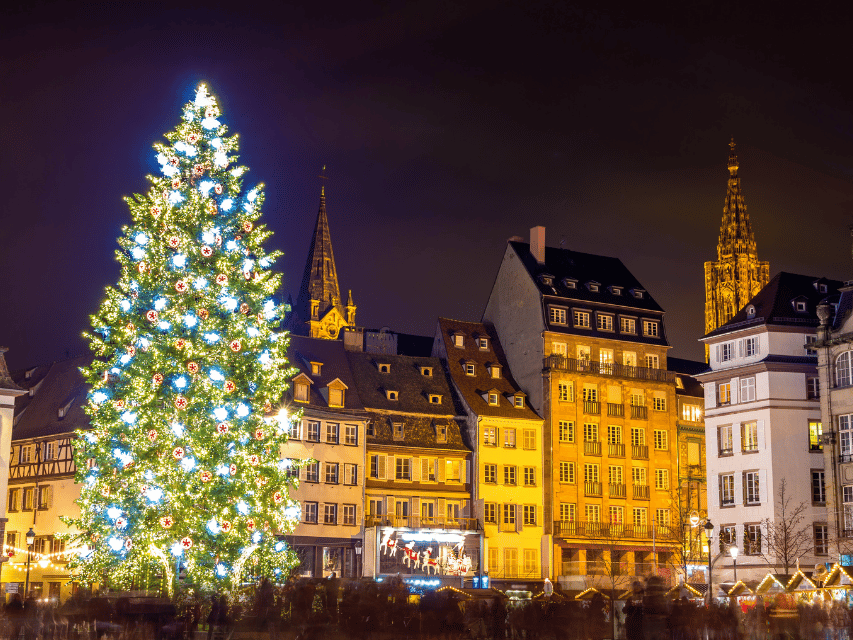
(584, 267)
(55, 386)
(773, 305)
(331, 353)
(406, 378)
(473, 387)
(419, 431)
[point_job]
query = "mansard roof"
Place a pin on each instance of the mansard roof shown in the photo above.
(56, 386)
(584, 268)
(775, 304)
(405, 377)
(473, 387)
(418, 431)
(303, 350)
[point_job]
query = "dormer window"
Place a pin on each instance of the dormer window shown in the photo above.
(593, 286)
(384, 368)
(458, 340)
(315, 368)
(441, 433)
(426, 372)
(434, 398)
(616, 291)
(399, 431)
(546, 279)
(557, 315)
(570, 283)
(518, 401)
(29, 374)
(638, 293)
(800, 306)
(822, 288)
(492, 398)
(495, 370)
(470, 369)
(391, 395)
(483, 344)
(750, 312)
(302, 388)
(337, 391)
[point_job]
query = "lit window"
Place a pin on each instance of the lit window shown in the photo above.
(747, 389)
(605, 322)
(483, 343)
(751, 488)
(652, 361)
(470, 369)
(434, 398)
(566, 392)
(581, 319)
(659, 404)
(493, 399)
(749, 436)
(391, 395)
(399, 431)
(650, 329)
(384, 368)
(724, 393)
(315, 368)
(489, 436)
(661, 440)
(336, 397)
(426, 372)
(458, 340)
(518, 401)
(509, 438)
(815, 432)
(628, 325)
(567, 431)
(557, 315)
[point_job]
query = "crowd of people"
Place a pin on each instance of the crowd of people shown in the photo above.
(369, 610)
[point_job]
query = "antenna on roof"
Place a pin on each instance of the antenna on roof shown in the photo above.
(562, 242)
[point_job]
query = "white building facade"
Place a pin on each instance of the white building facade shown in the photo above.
(763, 430)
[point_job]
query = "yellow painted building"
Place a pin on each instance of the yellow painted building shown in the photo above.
(588, 345)
(506, 437)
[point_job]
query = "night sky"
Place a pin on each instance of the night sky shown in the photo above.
(446, 128)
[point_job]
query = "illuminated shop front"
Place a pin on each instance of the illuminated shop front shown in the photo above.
(451, 556)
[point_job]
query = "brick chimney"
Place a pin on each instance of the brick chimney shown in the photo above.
(537, 244)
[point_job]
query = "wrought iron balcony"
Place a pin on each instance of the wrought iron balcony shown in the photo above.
(584, 529)
(591, 448)
(592, 488)
(641, 492)
(640, 451)
(591, 407)
(615, 410)
(422, 522)
(618, 490)
(639, 412)
(563, 363)
(616, 450)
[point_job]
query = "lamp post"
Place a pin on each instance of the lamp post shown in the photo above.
(733, 551)
(31, 538)
(709, 536)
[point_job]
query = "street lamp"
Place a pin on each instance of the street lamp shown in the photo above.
(733, 551)
(31, 538)
(709, 535)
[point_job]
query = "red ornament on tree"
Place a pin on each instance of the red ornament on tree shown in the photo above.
(206, 251)
(247, 226)
(176, 183)
(131, 351)
(181, 286)
(244, 309)
(156, 211)
(151, 316)
(178, 453)
(233, 469)
(229, 386)
(192, 138)
(218, 189)
(180, 403)
(158, 378)
(192, 367)
(143, 267)
(203, 314)
(222, 279)
(180, 343)
(119, 404)
(174, 242)
(250, 524)
(277, 497)
(225, 526)
(254, 460)
(222, 427)
(173, 161)
(166, 522)
(206, 476)
(152, 435)
(198, 170)
(235, 345)
(186, 543)
(130, 327)
(259, 434)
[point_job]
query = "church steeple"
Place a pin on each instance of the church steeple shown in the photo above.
(737, 275)
(319, 303)
(736, 235)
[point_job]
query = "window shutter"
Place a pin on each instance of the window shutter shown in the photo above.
(466, 508)
(762, 486)
(416, 470)
(714, 495)
(415, 511)
(439, 469)
(739, 488)
(736, 446)
(519, 517)
(467, 471)
(50, 497)
(424, 469)
(389, 509)
(442, 509)
(760, 429)
(719, 350)
(381, 467)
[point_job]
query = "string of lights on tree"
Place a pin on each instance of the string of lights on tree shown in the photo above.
(181, 467)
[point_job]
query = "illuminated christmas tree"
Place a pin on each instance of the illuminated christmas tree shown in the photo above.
(181, 468)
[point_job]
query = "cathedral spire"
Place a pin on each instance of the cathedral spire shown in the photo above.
(737, 274)
(319, 303)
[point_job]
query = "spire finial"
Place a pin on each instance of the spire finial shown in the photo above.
(733, 165)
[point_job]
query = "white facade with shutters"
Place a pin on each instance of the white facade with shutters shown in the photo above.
(759, 414)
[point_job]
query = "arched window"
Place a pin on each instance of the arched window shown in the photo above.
(843, 372)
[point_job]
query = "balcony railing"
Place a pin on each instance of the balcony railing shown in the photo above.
(591, 407)
(562, 363)
(615, 410)
(640, 451)
(617, 490)
(422, 522)
(726, 452)
(639, 412)
(616, 450)
(592, 488)
(576, 529)
(591, 448)
(641, 492)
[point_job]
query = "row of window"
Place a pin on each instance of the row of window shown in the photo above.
(751, 488)
(503, 563)
(492, 437)
(311, 513)
(458, 339)
(749, 437)
(302, 392)
(615, 475)
(403, 508)
(330, 432)
(745, 348)
(590, 393)
(510, 475)
(605, 356)
(398, 431)
(26, 454)
(510, 516)
(603, 321)
(328, 472)
(744, 390)
(566, 433)
(27, 498)
(616, 513)
(383, 467)
(751, 542)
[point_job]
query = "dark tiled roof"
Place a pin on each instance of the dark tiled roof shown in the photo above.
(418, 432)
(56, 386)
(472, 388)
(585, 267)
(405, 377)
(774, 303)
(331, 353)
(688, 367)
(691, 387)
